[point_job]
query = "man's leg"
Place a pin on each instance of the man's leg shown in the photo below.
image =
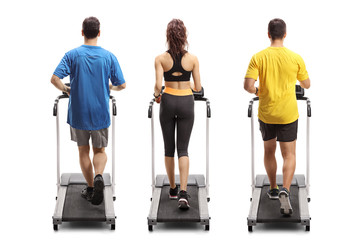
(270, 161)
(85, 164)
(288, 151)
(99, 160)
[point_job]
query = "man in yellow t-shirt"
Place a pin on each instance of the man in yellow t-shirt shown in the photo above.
(278, 69)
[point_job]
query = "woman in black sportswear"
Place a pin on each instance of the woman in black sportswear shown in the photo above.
(177, 104)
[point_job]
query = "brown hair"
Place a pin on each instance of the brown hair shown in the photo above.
(91, 27)
(176, 37)
(277, 28)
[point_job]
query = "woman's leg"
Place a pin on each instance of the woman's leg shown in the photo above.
(170, 170)
(167, 121)
(185, 122)
(184, 172)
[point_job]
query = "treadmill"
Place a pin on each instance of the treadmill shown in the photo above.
(162, 208)
(265, 210)
(70, 205)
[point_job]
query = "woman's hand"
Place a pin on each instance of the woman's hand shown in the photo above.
(158, 99)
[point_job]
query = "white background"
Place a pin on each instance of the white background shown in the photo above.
(224, 35)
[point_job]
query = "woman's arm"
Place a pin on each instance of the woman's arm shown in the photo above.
(159, 73)
(196, 75)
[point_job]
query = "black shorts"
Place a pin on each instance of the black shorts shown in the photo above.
(282, 132)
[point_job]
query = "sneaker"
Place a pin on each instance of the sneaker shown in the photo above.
(98, 195)
(183, 201)
(273, 193)
(87, 193)
(285, 206)
(173, 192)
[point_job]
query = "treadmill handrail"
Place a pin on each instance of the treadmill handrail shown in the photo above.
(151, 115)
(56, 114)
(251, 115)
(250, 109)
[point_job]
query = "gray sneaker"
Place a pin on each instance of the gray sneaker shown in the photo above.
(87, 193)
(99, 186)
(273, 193)
(285, 206)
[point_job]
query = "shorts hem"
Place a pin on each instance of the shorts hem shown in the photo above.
(286, 140)
(183, 155)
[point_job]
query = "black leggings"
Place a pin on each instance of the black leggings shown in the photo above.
(176, 110)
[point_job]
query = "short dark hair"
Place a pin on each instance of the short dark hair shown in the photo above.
(91, 27)
(277, 28)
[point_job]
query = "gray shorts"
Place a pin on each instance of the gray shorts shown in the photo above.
(99, 138)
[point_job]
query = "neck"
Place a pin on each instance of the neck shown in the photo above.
(91, 42)
(277, 43)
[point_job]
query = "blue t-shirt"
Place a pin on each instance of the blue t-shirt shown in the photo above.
(90, 68)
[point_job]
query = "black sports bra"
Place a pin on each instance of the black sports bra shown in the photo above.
(185, 76)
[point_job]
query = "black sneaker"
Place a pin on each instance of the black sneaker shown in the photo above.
(273, 193)
(98, 195)
(173, 192)
(285, 206)
(183, 201)
(87, 193)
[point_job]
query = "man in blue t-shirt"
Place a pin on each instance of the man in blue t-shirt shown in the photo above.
(90, 67)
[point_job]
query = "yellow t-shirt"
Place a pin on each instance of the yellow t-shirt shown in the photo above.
(277, 69)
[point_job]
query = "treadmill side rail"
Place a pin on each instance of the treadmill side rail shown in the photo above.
(152, 218)
(252, 218)
(203, 206)
(109, 205)
(57, 218)
(304, 207)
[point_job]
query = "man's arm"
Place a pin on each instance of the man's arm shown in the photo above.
(249, 85)
(117, 88)
(56, 81)
(305, 83)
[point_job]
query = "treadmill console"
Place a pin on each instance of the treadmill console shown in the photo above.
(198, 95)
(300, 92)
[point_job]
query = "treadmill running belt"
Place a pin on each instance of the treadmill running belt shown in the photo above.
(269, 210)
(77, 208)
(168, 209)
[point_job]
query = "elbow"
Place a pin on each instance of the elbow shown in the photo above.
(53, 80)
(123, 86)
(305, 84)
(246, 87)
